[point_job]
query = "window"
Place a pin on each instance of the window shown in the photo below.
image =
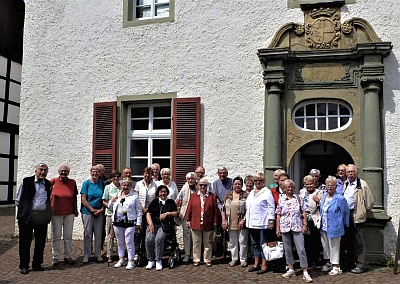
(149, 136)
(322, 116)
(148, 9)
(144, 12)
(146, 134)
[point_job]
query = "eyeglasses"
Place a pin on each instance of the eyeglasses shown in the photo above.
(199, 173)
(202, 185)
(258, 180)
(341, 170)
(116, 176)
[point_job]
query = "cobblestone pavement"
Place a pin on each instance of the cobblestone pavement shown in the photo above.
(101, 273)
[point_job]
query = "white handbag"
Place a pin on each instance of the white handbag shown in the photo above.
(273, 250)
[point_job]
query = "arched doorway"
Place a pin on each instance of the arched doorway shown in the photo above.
(320, 154)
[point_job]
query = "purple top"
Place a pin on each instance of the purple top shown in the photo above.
(289, 210)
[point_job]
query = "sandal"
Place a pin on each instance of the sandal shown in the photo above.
(327, 267)
(335, 271)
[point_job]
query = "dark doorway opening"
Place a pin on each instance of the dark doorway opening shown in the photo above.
(322, 155)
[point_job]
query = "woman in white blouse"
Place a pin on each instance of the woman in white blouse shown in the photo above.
(260, 219)
(165, 180)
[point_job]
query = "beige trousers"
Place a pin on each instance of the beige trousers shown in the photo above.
(199, 237)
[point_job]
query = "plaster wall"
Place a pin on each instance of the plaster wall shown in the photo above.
(77, 53)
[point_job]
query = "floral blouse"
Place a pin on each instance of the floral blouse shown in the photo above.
(289, 210)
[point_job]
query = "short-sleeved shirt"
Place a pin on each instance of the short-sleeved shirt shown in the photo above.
(63, 196)
(94, 193)
(156, 208)
(109, 192)
(289, 210)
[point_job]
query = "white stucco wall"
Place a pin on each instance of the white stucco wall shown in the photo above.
(77, 53)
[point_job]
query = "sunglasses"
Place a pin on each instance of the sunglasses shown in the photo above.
(258, 180)
(202, 185)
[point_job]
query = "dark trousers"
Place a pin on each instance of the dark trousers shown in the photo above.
(313, 245)
(26, 230)
(355, 244)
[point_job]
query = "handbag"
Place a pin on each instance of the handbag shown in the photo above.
(273, 250)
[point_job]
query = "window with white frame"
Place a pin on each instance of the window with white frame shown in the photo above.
(149, 136)
(322, 116)
(150, 9)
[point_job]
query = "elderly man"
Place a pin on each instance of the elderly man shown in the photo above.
(222, 185)
(34, 214)
(64, 210)
(155, 172)
(360, 201)
(200, 173)
(127, 173)
(182, 203)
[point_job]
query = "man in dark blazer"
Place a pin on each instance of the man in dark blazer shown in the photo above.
(34, 214)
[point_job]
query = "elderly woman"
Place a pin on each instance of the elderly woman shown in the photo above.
(312, 241)
(64, 210)
(160, 221)
(202, 216)
(277, 174)
(182, 203)
(291, 222)
(146, 188)
(248, 181)
(165, 180)
(127, 215)
(92, 214)
(335, 215)
(233, 220)
(260, 219)
(341, 178)
(110, 192)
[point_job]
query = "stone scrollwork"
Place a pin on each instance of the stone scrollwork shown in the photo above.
(299, 29)
(351, 138)
(292, 138)
(347, 27)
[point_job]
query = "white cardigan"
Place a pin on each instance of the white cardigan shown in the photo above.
(259, 209)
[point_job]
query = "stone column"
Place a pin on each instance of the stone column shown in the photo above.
(372, 151)
(273, 130)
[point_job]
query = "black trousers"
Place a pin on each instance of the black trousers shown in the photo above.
(26, 231)
(313, 245)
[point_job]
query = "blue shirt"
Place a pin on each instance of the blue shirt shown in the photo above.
(221, 189)
(40, 198)
(94, 194)
(339, 186)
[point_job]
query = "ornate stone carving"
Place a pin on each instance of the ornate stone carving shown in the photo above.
(324, 31)
(292, 138)
(347, 27)
(322, 72)
(299, 29)
(351, 138)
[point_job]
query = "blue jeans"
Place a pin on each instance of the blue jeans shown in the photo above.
(258, 238)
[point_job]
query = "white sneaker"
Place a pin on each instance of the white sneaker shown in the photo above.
(307, 277)
(150, 264)
(290, 273)
(186, 258)
(120, 263)
(85, 259)
(135, 258)
(158, 265)
(131, 265)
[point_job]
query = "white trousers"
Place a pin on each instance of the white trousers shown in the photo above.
(199, 237)
(331, 248)
(125, 235)
(238, 240)
(61, 224)
(92, 225)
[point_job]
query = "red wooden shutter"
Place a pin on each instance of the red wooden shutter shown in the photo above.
(104, 135)
(186, 138)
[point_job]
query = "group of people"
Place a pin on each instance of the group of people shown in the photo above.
(317, 218)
